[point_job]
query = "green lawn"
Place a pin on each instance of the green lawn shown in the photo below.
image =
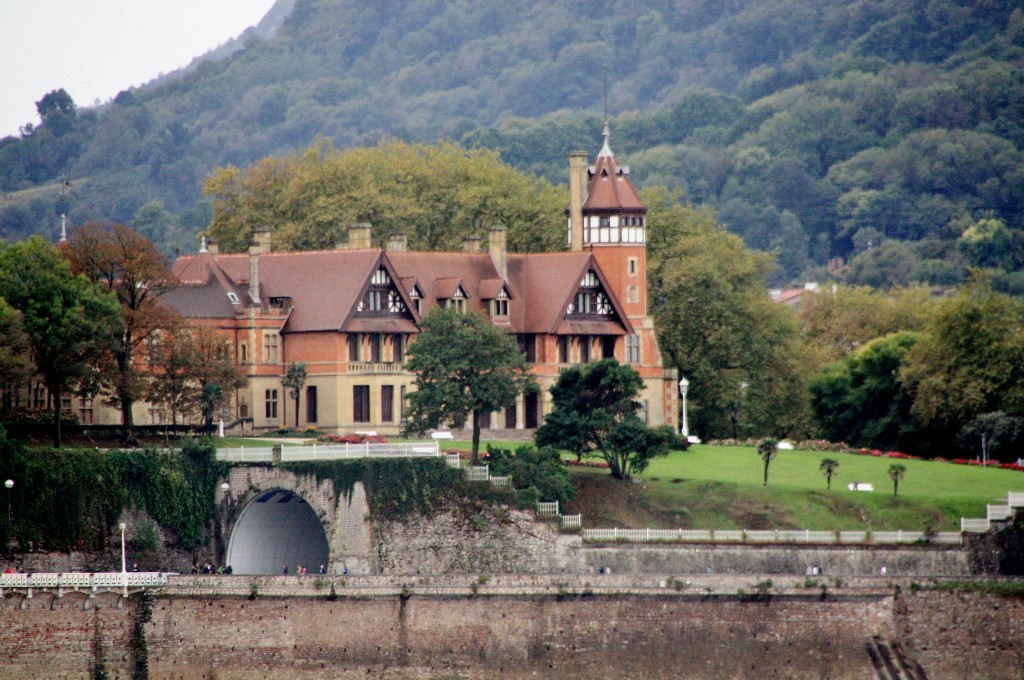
(718, 487)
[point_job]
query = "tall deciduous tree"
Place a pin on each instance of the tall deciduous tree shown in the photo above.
(68, 320)
(294, 381)
(464, 366)
(194, 373)
(595, 414)
(15, 357)
(860, 400)
(717, 323)
(128, 265)
(970, 360)
(434, 194)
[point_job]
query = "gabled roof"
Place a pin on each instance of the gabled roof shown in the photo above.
(546, 284)
(324, 286)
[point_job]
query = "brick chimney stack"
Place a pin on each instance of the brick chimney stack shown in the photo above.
(577, 187)
(497, 247)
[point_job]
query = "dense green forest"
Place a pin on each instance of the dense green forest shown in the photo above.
(881, 138)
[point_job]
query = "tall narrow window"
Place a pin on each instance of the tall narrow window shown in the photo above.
(401, 402)
(387, 403)
(608, 347)
(563, 349)
(270, 348)
(632, 349)
(243, 354)
(311, 405)
(584, 349)
(353, 347)
(397, 350)
(270, 408)
(361, 403)
(375, 348)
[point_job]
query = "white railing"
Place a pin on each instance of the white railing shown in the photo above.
(571, 521)
(976, 526)
(769, 536)
(291, 454)
(502, 482)
(1015, 499)
(74, 580)
(998, 512)
(478, 473)
(547, 509)
(453, 460)
(247, 454)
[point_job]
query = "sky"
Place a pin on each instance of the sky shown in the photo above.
(96, 48)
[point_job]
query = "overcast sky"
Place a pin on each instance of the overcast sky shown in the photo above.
(96, 48)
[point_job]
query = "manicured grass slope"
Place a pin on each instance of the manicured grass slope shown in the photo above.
(711, 487)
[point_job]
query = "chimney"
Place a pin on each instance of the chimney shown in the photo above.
(497, 247)
(360, 236)
(260, 246)
(212, 247)
(260, 239)
(577, 186)
(471, 244)
(254, 272)
(397, 243)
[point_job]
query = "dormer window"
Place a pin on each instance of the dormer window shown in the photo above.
(499, 305)
(381, 295)
(416, 296)
(590, 299)
(457, 300)
(233, 298)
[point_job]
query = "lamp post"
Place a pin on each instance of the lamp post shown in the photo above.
(10, 485)
(124, 566)
(224, 489)
(684, 384)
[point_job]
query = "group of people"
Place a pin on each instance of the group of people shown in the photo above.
(210, 568)
(301, 570)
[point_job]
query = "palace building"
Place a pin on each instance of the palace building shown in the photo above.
(351, 314)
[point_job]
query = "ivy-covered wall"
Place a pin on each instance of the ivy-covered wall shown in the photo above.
(71, 499)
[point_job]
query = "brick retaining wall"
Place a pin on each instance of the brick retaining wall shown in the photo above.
(618, 626)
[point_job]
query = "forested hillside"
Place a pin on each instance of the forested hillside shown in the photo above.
(885, 136)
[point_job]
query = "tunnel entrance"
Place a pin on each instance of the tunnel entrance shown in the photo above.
(277, 528)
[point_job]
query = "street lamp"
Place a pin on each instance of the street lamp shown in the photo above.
(224, 489)
(124, 566)
(10, 485)
(683, 385)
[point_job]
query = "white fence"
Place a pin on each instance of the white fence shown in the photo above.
(571, 521)
(769, 536)
(547, 509)
(478, 473)
(290, 454)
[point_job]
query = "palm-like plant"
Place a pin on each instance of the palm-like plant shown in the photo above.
(896, 473)
(828, 468)
(294, 380)
(767, 449)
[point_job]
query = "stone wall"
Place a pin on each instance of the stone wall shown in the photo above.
(693, 633)
(491, 541)
(923, 561)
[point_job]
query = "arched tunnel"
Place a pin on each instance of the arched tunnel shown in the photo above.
(276, 528)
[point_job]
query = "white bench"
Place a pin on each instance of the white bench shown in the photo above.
(860, 486)
(366, 433)
(442, 435)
